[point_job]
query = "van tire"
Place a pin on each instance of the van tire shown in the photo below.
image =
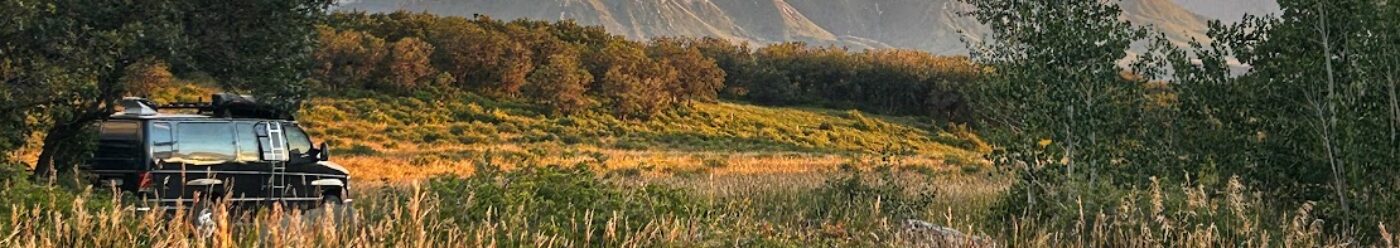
(340, 212)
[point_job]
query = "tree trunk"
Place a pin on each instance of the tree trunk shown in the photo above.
(1394, 107)
(1329, 119)
(1394, 99)
(57, 155)
(63, 145)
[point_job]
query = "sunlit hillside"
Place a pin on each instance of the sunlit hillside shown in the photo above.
(392, 138)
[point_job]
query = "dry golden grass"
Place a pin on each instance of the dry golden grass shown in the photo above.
(403, 166)
(748, 210)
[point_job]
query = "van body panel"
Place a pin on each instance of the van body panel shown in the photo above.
(184, 155)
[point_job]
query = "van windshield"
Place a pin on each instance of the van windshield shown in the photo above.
(297, 140)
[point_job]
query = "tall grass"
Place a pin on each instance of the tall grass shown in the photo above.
(578, 206)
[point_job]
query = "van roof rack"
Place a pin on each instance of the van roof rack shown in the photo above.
(225, 105)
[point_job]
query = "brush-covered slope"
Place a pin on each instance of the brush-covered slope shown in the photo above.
(394, 138)
(387, 123)
(931, 25)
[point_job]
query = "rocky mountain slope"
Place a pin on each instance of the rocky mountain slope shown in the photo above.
(930, 25)
(1230, 10)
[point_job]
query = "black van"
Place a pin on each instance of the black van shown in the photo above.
(228, 150)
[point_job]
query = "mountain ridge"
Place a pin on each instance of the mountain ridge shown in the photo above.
(931, 25)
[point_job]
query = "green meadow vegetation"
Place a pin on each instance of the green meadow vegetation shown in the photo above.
(477, 132)
(714, 127)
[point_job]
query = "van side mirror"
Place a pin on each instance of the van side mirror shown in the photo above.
(323, 152)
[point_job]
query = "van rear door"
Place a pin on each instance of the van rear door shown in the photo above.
(119, 146)
(120, 154)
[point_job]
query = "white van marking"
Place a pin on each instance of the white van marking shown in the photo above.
(328, 182)
(204, 182)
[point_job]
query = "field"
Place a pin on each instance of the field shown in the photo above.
(1084, 128)
(458, 170)
(729, 165)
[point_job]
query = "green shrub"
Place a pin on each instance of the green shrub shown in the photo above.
(863, 123)
(632, 144)
(970, 169)
(558, 200)
(852, 194)
(19, 193)
(630, 172)
(429, 136)
(356, 150)
(961, 136)
(473, 139)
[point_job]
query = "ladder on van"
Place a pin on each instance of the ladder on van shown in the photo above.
(277, 181)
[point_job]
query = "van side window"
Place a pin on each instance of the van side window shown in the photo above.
(162, 142)
(119, 145)
(204, 143)
(247, 142)
(297, 141)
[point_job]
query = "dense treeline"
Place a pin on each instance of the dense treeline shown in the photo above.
(571, 68)
(902, 82)
(1316, 119)
(564, 66)
(1312, 125)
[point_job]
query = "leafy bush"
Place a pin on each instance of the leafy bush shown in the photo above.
(962, 136)
(357, 149)
(852, 195)
(573, 202)
(19, 192)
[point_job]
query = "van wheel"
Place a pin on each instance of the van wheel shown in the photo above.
(334, 206)
(332, 202)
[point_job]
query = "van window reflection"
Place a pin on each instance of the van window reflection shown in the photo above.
(162, 144)
(204, 143)
(247, 142)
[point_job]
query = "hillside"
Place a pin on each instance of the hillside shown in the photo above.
(1230, 11)
(930, 25)
(379, 136)
(1180, 24)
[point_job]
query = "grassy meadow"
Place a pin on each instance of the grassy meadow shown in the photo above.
(1086, 129)
(410, 138)
(456, 170)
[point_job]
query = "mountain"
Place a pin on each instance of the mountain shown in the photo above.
(1179, 24)
(1230, 10)
(931, 25)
